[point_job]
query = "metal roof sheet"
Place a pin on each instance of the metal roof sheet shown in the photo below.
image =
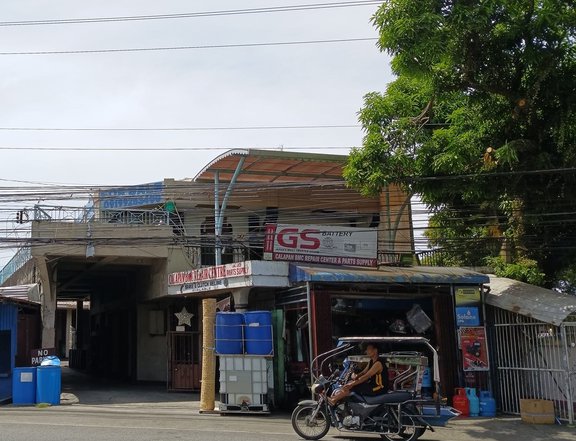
(529, 300)
(412, 275)
(21, 293)
(268, 166)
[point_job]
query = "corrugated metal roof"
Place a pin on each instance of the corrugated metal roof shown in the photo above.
(268, 166)
(21, 293)
(532, 301)
(412, 275)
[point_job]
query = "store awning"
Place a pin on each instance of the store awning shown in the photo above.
(409, 275)
(21, 293)
(529, 300)
(267, 166)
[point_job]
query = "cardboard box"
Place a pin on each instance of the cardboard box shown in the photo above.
(537, 411)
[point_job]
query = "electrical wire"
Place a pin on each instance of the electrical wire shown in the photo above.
(208, 46)
(177, 129)
(273, 9)
(166, 149)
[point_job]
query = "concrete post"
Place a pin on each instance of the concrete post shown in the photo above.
(241, 299)
(48, 304)
(69, 333)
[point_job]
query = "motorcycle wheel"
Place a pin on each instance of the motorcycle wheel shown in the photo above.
(309, 428)
(409, 431)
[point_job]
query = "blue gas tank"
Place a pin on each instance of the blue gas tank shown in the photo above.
(487, 404)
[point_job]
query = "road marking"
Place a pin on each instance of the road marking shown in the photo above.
(100, 426)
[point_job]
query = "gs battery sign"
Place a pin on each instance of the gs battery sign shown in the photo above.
(321, 244)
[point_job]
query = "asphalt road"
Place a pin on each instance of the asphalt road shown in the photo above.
(90, 423)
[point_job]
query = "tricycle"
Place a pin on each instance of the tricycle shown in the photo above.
(402, 413)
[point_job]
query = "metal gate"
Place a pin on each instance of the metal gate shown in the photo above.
(535, 360)
(184, 361)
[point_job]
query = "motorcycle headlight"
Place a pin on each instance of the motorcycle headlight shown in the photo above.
(317, 388)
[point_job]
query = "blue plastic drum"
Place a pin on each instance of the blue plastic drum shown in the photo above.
(258, 333)
(48, 384)
(229, 333)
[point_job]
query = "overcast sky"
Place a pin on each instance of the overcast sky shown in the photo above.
(315, 84)
(320, 84)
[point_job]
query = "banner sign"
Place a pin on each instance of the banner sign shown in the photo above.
(330, 245)
(209, 277)
(132, 196)
(467, 316)
(474, 349)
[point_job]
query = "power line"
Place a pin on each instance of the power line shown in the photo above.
(162, 149)
(209, 46)
(275, 9)
(176, 129)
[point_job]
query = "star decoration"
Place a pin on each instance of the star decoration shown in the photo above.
(184, 317)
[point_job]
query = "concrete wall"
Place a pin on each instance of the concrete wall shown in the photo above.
(152, 350)
(70, 239)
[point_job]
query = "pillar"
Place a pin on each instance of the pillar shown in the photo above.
(208, 386)
(69, 333)
(48, 303)
(241, 299)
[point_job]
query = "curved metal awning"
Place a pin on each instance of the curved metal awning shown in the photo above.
(267, 166)
(531, 301)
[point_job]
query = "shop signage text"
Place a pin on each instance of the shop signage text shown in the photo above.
(321, 244)
(209, 273)
(37, 355)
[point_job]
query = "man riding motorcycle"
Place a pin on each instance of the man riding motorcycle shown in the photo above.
(373, 380)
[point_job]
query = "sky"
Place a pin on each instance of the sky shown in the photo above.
(315, 84)
(284, 85)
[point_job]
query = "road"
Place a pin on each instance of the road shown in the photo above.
(90, 423)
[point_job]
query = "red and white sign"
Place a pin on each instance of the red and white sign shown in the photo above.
(321, 244)
(209, 273)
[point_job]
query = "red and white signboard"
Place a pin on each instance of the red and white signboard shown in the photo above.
(321, 244)
(209, 273)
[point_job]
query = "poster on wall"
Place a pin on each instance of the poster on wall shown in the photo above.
(467, 295)
(474, 349)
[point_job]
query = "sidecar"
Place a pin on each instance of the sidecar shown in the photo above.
(414, 371)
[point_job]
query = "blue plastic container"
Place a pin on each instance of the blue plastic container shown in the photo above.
(48, 384)
(474, 401)
(487, 404)
(229, 333)
(24, 386)
(446, 414)
(258, 333)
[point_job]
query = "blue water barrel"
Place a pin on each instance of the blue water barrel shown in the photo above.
(48, 384)
(258, 333)
(229, 333)
(24, 386)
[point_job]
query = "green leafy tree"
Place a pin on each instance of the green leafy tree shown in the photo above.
(480, 122)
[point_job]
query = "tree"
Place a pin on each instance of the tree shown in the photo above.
(481, 121)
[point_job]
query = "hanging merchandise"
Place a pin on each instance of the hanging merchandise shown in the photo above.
(418, 319)
(398, 326)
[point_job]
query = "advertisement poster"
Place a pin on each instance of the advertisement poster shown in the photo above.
(467, 316)
(321, 244)
(467, 295)
(474, 349)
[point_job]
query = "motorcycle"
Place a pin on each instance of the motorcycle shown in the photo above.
(396, 415)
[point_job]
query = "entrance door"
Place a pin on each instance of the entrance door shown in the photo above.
(183, 361)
